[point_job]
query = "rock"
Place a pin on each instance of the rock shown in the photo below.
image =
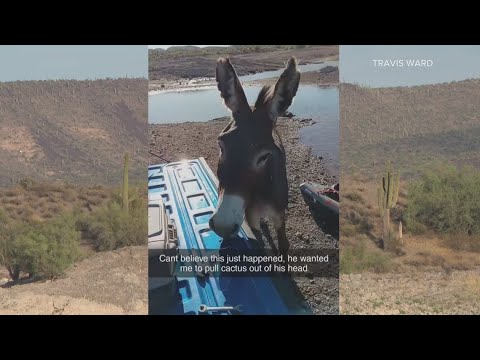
(328, 69)
(299, 235)
(305, 120)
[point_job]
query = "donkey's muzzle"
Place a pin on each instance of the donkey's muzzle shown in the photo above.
(228, 217)
(222, 231)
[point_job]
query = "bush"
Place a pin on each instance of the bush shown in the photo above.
(26, 183)
(356, 197)
(43, 250)
(415, 227)
(447, 200)
(463, 242)
(5, 258)
(110, 227)
(359, 258)
(364, 226)
(348, 230)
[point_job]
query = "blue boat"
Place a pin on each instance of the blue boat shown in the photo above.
(188, 191)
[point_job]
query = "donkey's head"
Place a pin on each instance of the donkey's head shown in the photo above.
(247, 146)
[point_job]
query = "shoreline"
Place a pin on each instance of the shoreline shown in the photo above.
(317, 77)
(183, 67)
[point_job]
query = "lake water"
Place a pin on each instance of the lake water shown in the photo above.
(318, 103)
(323, 136)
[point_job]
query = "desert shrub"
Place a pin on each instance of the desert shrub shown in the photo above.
(356, 197)
(110, 227)
(348, 230)
(354, 217)
(26, 183)
(8, 258)
(357, 224)
(69, 195)
(447, 200)
(13, 192)
(364, 226)
(43, 250)
(416, 227)
(463, 242)
(95, 200)
(358, 258)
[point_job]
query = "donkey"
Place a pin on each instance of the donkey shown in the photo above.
(252, 164)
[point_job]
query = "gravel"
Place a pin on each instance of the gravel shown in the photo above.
(430, 292)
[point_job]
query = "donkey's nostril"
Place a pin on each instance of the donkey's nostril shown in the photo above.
(210, 223)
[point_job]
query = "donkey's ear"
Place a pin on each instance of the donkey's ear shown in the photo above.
(230, 88)
(284, 91)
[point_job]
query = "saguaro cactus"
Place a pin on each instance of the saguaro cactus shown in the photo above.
(125, 183)
(387, 199)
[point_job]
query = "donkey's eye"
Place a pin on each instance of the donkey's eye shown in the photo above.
(263, 159)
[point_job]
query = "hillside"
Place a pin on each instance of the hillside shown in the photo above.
(74, 131)
(181, 63)
(412, 126)
(43, 201)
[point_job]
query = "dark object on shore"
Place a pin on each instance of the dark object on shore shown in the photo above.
(306, 121)
(328, 69)
(322, 198)
(288, 114)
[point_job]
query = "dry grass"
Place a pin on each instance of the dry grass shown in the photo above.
(46, 200)
(457, 292)
(431, 251)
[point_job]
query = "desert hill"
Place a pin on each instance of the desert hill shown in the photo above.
(413, 126)
(75, 131)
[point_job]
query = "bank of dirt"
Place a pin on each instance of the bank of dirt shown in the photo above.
(432, 292)
(184, 68)
(113, 282)
(173, 142)
(330, 77)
